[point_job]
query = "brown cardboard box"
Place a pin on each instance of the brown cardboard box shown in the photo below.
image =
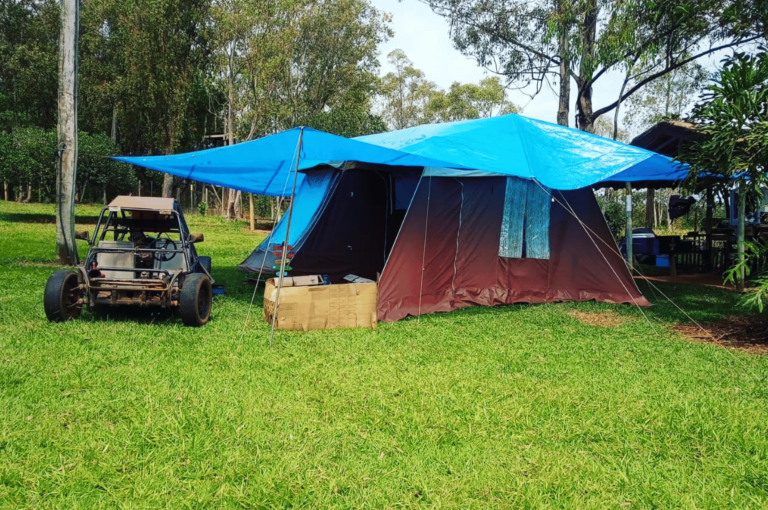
(305, 308)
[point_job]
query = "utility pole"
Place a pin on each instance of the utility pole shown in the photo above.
(67, 131)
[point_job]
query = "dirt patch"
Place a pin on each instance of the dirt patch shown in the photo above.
(30, 263)
(606, 319)
(258, 230)
(744, 332)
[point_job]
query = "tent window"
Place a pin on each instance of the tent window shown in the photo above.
(525, 225)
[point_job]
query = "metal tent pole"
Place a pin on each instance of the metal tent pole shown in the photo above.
(740, 234)
(287, 234)
(629, 226)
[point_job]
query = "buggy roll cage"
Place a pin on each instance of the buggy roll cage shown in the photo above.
(176, 221)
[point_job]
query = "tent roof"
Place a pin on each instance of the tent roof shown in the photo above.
(264, 165)
(558, 157)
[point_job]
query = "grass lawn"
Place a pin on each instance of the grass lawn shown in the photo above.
(512, 407)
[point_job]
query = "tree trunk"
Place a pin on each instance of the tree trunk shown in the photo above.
(67, 133)
(650, 199)
(563, 108)
(238, 204)
(167, 185)
(113, 135)
(28, 195)
(250, 212)
(585, 120)
(5, 189)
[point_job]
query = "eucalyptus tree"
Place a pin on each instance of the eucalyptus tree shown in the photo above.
(470, 101)
(541, 43)
(405, 93)
(668, 97)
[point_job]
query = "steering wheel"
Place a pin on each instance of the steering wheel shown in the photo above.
(163, 243)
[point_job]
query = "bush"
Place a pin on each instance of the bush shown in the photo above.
(28, 160)
(615, 217)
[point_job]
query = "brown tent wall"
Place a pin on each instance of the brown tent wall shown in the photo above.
(452, 230)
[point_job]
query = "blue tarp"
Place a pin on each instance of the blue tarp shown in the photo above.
(558, 157)
(265, 166)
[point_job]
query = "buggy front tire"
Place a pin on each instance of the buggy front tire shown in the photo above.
(61, 297)
(196, 300)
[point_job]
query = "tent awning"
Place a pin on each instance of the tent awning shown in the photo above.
(558, 157)
(264, 166)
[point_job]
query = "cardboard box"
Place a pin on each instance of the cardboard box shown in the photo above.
(305, 308)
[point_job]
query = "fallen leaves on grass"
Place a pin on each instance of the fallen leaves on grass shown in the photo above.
(744, 332)
(606, 319)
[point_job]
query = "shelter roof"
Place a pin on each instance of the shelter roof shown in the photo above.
(557, 156)
(142, 203)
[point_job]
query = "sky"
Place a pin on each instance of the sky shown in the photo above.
(424, 37)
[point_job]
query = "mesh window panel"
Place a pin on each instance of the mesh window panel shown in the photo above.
(511, 238)
(537, 207)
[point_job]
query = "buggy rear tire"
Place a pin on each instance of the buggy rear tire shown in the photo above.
(196, 300)
(61, 296)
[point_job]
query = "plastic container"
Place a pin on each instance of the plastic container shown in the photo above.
(662, 260)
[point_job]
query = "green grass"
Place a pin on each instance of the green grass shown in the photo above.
(511, 407)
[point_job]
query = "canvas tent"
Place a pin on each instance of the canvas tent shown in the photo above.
(485, 212)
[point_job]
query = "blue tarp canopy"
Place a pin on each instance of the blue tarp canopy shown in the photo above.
(264, 166)
(558, 157)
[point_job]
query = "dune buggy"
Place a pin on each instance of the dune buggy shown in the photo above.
(141, 254)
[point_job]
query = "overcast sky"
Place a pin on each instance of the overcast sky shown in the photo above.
(423, 36)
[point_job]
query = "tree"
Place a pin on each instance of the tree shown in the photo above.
(604, 128)
(733, 124)
(470, 101)
(163, 51)
(405, 92)
(29, 33)
(408, 99)
(545, 42)
(667, 97)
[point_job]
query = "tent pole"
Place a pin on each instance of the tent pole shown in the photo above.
(740, 234)
(708, 229)
(628, 237)
(287, 234)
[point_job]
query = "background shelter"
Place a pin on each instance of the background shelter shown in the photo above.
(483, 212)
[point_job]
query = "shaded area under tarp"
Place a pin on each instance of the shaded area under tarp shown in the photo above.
(310, 195)
(348, 222)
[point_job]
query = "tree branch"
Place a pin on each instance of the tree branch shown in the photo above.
(669, 69)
